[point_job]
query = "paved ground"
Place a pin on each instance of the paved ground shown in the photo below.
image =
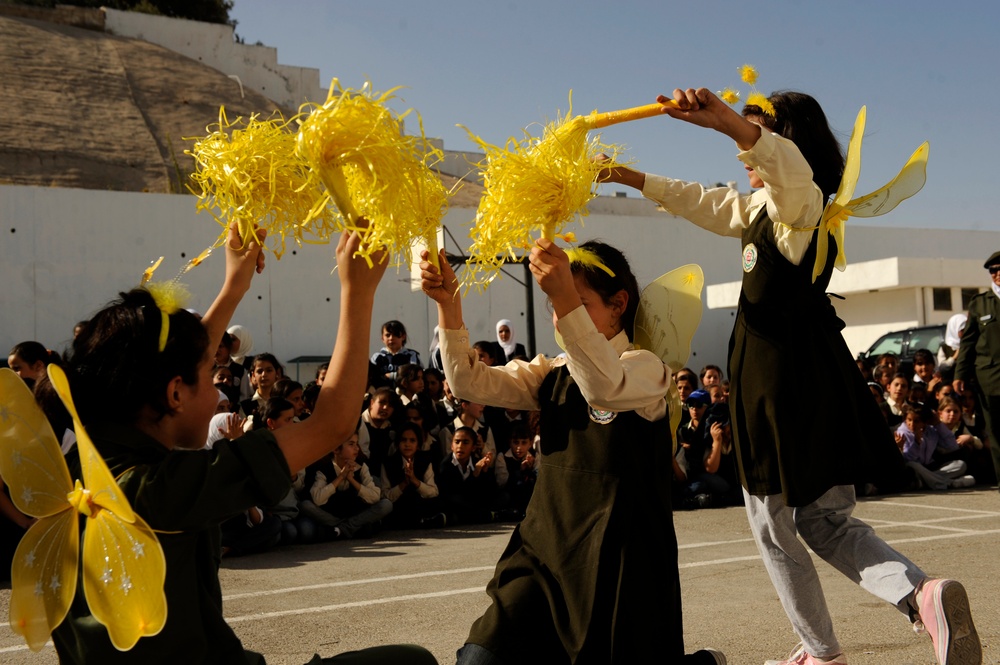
(427, 587)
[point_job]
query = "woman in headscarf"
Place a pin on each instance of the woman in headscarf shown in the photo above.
(948, 351)
(505, 340)
(241, 360)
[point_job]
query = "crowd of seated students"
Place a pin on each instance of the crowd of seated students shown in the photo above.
(421, 458)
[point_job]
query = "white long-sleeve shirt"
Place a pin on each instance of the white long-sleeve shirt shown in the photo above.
(611, 374)
(795, 203)
(323, 488)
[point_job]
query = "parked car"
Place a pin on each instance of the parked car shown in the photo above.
(905, 342)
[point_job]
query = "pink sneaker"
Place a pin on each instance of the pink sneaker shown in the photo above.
(944, 614)
(800, 657)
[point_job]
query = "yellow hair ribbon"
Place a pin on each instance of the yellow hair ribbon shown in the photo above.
(169, 298)
(587, 258)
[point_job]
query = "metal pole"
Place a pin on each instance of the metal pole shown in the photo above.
(529, 301)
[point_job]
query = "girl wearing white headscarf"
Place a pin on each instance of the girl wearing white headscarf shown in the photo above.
(240, 357)
(505, 339)
(948, 351)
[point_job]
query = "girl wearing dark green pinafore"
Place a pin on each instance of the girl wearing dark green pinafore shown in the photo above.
(155, 366)
(596, 549)
(799, 455)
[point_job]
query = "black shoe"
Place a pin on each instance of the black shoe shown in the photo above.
(438, 521)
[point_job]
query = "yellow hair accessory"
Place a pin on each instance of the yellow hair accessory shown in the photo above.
(147, 274)
(748, 74)
(587, 258)
(372, 170)
(169, 297)
(249, 172)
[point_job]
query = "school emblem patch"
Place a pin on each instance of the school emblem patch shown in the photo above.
(602, 417)
(749, 257)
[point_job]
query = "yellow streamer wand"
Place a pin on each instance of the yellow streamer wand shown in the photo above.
(539, 184)
(372, 170)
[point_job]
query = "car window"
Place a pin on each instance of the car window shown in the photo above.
(891, 343)
(926, 338)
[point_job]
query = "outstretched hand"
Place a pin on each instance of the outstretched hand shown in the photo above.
(242, 262)
(703, 108)
(550, 266)
(355, 274)
(440, 284)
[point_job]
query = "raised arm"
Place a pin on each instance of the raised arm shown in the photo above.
(343, 389)
(241, 263)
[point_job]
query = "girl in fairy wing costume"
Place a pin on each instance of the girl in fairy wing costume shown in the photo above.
(596, 548)
(800, 456)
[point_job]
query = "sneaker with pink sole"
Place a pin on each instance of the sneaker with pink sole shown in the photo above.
(798, 656)
(944, 614)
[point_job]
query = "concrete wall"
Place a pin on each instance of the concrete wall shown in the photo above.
(212, 44)
(67, 251)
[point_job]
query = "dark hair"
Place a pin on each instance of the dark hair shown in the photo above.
(267, 357)
(396, 328)
(407, 373)
(411, 427)
(468, 430)
(227, 341)
(322, 366)
(887, 354)
(285, 387)
(924, 357)
(704, 371)
(32, 352)
(799, 118)
(486, 347)
(521, 430)
(606, 285)
(384, 393)
(310, 394)
(270, 409)
(117, 359)
(900, 375)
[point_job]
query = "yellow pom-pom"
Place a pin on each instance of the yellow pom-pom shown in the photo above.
(757, 99)
(249, 171)
(533, 185)
(587, 258)
(749, 74)
(169, 296)
(372, 170)
(729, 96)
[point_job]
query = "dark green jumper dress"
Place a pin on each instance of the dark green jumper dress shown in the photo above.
(804, 419)
(590, 574)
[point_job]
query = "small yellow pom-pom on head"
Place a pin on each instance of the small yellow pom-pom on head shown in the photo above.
(587, 258)
(749, 74)
(759, 100)
(729, 96)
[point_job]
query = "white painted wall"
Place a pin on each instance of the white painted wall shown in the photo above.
(212, 44)
(68, 251)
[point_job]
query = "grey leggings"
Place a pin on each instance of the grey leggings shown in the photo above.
(843, 541)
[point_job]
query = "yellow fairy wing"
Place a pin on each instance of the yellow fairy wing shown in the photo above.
(30, 459)
(104, 491)
(124, 566)
(43, 576)
(668, 315)
(908, 181)
(124, 572)
(833, 219)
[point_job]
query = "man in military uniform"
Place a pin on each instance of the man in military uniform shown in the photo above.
(979, 356)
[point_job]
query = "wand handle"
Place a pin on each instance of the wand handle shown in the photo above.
(432, 249)
(598, 120)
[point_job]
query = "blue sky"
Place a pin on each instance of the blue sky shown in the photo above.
(925, 70)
